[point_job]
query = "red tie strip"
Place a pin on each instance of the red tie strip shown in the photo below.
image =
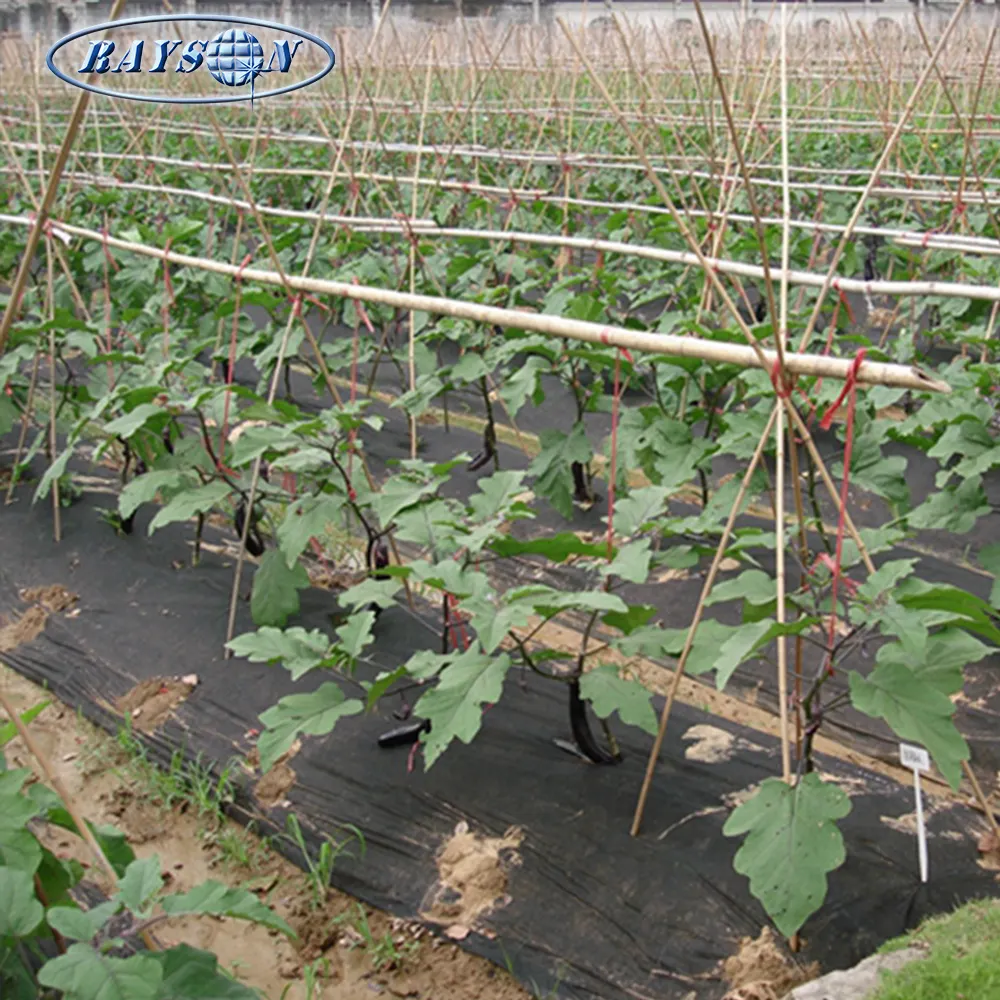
(849, 393)
(613, 475)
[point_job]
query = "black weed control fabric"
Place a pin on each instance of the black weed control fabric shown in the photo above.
(591, 911)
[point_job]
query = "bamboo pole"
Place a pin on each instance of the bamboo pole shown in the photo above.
(21, 279)
(779, 430)
(869, 373)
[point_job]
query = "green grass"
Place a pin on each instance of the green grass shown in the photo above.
(963, 960)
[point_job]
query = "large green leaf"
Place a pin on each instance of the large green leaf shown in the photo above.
(551, 467)
(313, 714)
(80, 925)
(185, 505)
(140, 883)
(640, 509)
(608, 692)
(792, 844)
(125, 426)
(989, 559)
(85, 974)
(454, 705)
(915, 710)
(955, 510)
(496, 494)
(942, 659)
(219, 900)
(307, 518)
(492, 622)
(191, 974)
(276, 586)
(356, 633)
(381, 592)
(631, 563)
(296, 649)
(144, 488)
(753, 586)
(556, 548)
(20, 912)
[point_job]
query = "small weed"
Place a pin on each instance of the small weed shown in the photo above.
(191, 784)
(320, 870)
(311, 976)
(240, 847)
(383, 952)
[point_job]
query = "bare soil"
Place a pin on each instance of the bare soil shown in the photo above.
(98, 775)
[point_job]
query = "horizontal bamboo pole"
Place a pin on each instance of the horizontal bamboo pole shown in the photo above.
(869, 373)
(941, 195)
(924, 241)
(354, 221)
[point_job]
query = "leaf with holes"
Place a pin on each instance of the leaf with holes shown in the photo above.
(313, 714)
(608, 692)
(276, 586)
(454, 706)
(792, 844)
(916, 711)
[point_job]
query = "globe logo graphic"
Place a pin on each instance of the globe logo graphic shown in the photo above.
(235, 58)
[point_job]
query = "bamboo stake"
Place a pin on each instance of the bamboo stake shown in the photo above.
(21, 279)
(412, 343)
(869, 373)
(779, 430)
(696, 620)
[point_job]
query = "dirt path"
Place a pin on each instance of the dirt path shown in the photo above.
(353, 951)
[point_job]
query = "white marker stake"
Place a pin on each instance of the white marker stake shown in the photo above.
(917, 759)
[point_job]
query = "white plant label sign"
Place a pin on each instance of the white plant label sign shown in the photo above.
(917, 759)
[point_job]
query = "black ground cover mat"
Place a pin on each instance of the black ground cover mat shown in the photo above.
(586, 908)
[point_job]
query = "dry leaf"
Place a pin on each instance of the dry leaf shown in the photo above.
(457, 932)
(190, 679)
